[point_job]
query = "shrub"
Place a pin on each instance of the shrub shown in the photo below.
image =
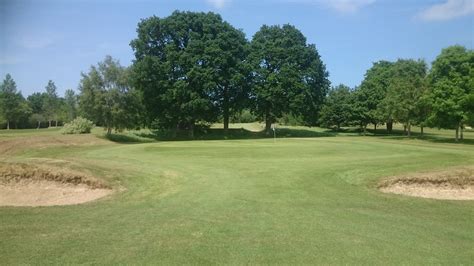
(78, 126)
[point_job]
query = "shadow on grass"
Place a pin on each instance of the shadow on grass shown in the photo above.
(435, 138)
(241, 133)
(126, 138)
(215, 134)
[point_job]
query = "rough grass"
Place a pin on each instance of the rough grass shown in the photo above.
(248, 201)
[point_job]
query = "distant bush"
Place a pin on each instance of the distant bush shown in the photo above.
(245, 116)
(78, 126)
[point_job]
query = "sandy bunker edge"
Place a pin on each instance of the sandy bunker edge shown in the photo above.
(452, 184)
(33, 185)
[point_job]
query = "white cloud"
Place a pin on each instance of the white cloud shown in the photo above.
(341, 6)
(347, 6)
(448, 10)
(218, 4)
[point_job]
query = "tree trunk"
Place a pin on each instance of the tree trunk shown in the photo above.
(409, 129)
(109, 130)
(375, 129)
(457, 133)
(421, 130)
(8, 124)
(174, 131)
(226, 110)
(49, 125)
(404, 129)
(39, 125)
(365, 129)
(56, 123)
(191, 130)
(389, 126)
(462, 132)
(268, 126)
(226, 121)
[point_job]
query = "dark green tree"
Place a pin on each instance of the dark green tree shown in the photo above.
(370, 95)
(188, 68)
(406, 89)
(51, 103)
(70, 101)
(337, 110)
(36, 103)
(452, 88)
(288, 75)
(13, 107)
(225, 54)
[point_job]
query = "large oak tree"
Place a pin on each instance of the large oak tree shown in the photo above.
(288, 75)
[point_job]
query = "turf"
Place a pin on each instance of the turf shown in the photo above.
(250, 201)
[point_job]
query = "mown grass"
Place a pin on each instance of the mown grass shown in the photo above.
(247, 201)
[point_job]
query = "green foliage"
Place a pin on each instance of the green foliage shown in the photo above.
(369, 104)
(452, 87)
(79, 125)
(406, 90)
(13, 107)
(107, 98)
(51, 103)
(244, 116)
(178, 67)
(289, 76)
(338, 109)
(71, 104)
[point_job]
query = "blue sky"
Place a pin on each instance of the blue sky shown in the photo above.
(42, 40)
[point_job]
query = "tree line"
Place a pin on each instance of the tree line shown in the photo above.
(193, 69)
(406, 92)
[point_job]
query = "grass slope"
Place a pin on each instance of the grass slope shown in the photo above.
(293, 201)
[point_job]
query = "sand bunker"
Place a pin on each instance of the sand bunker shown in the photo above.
(30, 185)
(455, 184)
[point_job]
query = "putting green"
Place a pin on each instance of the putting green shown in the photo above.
(293, 201)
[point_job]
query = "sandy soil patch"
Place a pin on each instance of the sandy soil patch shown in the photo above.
(47, 193)
(454, 184)
(32, 185)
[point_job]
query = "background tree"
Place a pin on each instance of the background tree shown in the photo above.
(176, 68)
(337, 109)
(36, 103)
(406, 87)
(70, 100)
(13, 107)
(452, 88)
(51, 103)
(289, 76)
(371, 93)
(107, 98)
(225, 53)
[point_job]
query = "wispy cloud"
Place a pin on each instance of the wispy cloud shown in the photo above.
(218, 4)
(341, 6)
(450, 9)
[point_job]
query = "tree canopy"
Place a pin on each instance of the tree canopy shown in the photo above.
(452, 84)
(288, 75)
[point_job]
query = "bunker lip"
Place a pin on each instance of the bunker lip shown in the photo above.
(32, 185)
(453, 184)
